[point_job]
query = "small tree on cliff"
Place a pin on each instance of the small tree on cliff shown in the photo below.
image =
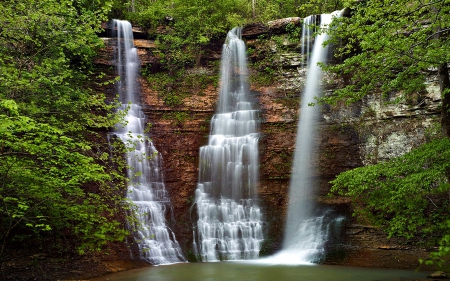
(394, 46)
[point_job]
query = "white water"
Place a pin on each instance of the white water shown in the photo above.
(229, 225)
(308, 29)
(157, 243)
(305, 232)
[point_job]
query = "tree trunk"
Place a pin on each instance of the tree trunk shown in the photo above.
(444, 84)
(254, 8)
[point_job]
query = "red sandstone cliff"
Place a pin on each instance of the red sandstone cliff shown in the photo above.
(349, 137)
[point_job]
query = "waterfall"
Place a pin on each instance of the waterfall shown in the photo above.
(308, 29)
(146, 190)
(306, 230)
(229, 225)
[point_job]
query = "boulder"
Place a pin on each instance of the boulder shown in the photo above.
(438, 275)
(279, 25)
(254, 30)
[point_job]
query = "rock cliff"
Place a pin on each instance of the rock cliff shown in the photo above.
(370, 131)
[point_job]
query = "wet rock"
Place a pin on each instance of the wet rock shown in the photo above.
(254, 30)
(438, 275)
(279, 25)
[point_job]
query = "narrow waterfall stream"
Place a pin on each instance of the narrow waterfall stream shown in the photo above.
(308, 28)
(157, 243)
(305, 230)
(229, 225)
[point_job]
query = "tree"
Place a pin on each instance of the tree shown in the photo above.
(407, 197)
(56, 182)
(394, 46)
(401, 43)
(312, 7)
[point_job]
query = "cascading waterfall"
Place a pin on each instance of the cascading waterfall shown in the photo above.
(305, 232)
(229, 225)
(157, 243)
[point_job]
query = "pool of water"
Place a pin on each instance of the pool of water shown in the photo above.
(248, 271)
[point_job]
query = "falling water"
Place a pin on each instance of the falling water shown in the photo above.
(157, 243)
(229, 225)
(305, 232)
(308, 29)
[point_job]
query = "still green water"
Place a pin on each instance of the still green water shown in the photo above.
(241, 271)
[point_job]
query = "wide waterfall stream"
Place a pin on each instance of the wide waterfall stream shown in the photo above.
(157, 243)
(229, 225)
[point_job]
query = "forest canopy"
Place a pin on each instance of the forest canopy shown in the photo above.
(390, 47)
(55, 185)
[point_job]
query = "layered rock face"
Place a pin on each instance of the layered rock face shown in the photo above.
(350, 136)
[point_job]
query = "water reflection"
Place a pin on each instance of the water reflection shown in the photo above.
(245, 271)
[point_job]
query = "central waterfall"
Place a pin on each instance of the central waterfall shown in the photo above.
(146, 189)
(229, 225)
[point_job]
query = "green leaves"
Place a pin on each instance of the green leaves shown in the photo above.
(56, 180)
(316, 7)
(394, 47)
(407, 196)
(184, 27)
(389, 46)
(9, 107)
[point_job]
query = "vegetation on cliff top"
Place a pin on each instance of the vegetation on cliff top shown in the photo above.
(184, 28)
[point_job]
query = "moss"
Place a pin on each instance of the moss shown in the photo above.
(177, 117)
(292, 102)
(174, 87)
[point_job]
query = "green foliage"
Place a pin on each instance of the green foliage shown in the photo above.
(389, 46)
(178, 117)
(174, 87)
(184, 27)
(317, 7)
(266, 65)
(294, 32)
(168, 87)
(407, 196)
(54, 182)
(263, 78)
(203, 17)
